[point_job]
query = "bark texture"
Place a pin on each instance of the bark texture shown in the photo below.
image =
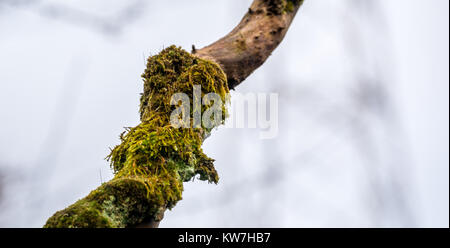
(249, 45)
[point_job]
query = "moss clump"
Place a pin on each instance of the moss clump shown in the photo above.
(118, 203)
(154, 149)
(154, 158)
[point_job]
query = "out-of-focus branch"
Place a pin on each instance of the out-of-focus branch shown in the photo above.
(107, 25)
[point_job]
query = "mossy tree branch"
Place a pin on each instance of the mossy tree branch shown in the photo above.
(154, 159)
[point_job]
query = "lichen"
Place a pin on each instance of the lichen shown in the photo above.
(154, 158)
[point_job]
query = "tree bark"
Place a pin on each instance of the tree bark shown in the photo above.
(127, 201)
(249, 45)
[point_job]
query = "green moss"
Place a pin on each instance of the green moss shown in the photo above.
(154, 149)
(278, 7)
(118, 203)
(153, 159)
(291, 4)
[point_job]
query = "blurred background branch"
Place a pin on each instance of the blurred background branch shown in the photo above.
(113, 24)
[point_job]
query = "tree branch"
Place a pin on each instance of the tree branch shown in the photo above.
(248, 45)
(154, 159)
